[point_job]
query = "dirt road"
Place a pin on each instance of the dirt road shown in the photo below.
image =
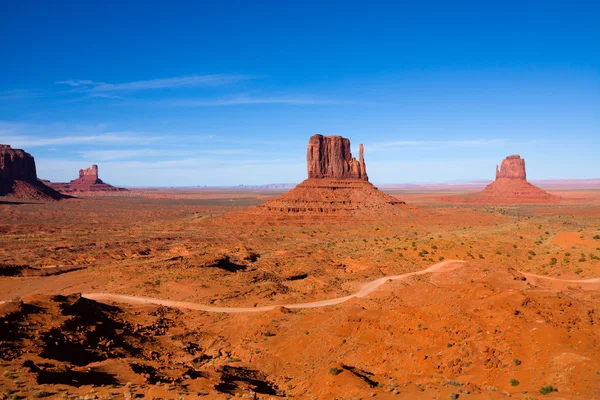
(365, 290)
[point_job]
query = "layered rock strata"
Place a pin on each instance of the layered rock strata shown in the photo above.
(18, 177)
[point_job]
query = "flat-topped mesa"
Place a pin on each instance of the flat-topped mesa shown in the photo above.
(88, 182)
(16, 164)
(18, 177)
(330, 157)
(337, 188)
(512, 167)
(88, 176)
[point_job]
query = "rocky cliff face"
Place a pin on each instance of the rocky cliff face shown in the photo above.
(330, 157)
(88, 176)
(16, 164)
(18, 177)
(512, 167)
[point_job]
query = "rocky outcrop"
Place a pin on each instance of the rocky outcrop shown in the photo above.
(88, 176)
(330, 157)
(18, 177)
(341, 197)
(512, 167)
(16, 164)
(510, 187)
(337, 188)
(88, 182)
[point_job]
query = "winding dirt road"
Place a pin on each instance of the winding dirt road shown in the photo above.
(365, 290)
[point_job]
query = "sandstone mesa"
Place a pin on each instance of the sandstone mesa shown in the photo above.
(511, 184)
(87, 182)
(330, 157)
(18, 177)
(337, 186)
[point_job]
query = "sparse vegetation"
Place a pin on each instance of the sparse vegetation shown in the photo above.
(547, 389)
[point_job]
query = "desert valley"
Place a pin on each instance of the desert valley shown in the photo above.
(332, 290)
(310, 200)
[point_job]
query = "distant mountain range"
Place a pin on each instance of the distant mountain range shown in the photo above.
(552, 184)
(470, 185)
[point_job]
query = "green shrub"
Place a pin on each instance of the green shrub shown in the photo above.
(513, 382)
(335, 371)
(547, 389)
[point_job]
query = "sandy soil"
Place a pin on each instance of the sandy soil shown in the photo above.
(365, 290)
(520, 315)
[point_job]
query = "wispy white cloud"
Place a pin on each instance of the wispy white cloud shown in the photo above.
(249, 100)
(76, 83)
(105, 138)
(163, 83)
(103, 96)
(435, 144)
(137, 153)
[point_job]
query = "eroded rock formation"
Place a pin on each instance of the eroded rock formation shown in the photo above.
(337, 186)
(510, 187)
(18, 176)
(87, 182)
(512, 167)
(330, 157)
(16, 164)
(88, 176)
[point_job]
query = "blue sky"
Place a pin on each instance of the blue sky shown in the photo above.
(228, 92)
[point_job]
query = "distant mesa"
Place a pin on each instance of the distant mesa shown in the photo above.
(88, 181)
(337, 186)
(511, 186)
(511, 183)
(18, 177)
(88, 176)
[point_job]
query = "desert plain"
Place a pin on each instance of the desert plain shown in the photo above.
(510, 308)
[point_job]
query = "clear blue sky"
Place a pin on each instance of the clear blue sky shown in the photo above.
(224, 92)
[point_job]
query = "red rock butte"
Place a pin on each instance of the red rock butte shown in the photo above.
(510, 187)
(88, 181)
(512, 167)
(18, 177)
(337, 186)
(88, 176)
(330, 157)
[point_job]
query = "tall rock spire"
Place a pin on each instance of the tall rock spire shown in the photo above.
(330, 157)
(512, 167)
